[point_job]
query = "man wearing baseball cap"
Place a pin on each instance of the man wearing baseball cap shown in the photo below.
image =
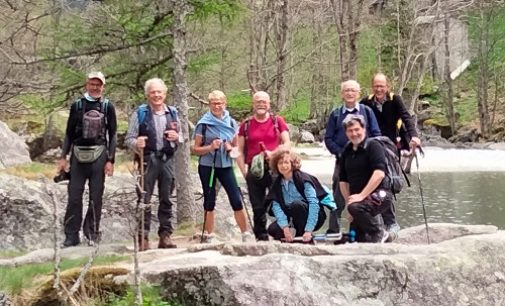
(90, 140)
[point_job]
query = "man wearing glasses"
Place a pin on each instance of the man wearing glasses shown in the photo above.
(335, 139)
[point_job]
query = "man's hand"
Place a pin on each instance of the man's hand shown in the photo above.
(287, 234)
(109, 168)
(307, 237)
(355, 198)
(268, 154)
(171, 135)
(141, 142)
(61, 165)
(414, 142)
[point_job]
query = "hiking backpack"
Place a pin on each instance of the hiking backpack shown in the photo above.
(246, 130)
(94, 123)
(394, 171)
(142, 112)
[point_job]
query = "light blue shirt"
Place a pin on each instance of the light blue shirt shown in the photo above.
(290, 194)
(223, 159)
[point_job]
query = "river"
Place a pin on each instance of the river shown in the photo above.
(458, 186)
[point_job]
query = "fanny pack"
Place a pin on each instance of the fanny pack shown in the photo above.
(88, 154)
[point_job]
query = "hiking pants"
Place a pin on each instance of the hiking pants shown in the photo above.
(159, 168)
(336, 214)
(298, 212)
(364, 216)
(227, 179)
(257, 189)
(79, 173)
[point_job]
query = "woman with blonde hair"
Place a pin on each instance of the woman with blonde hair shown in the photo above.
(296, 198)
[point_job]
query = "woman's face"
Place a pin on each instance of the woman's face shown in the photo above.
(284, 165)
(217, 107)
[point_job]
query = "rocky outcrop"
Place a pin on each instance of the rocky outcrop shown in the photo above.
(27, 211)
(14, 149)
(466, 270)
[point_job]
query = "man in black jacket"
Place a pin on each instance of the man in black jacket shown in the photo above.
(90, 139)
(389, 109)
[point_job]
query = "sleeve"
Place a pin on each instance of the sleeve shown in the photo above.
(133, 131)
(282, 124)
(280, 216)
(69, 132)
(241, 129)
(342, 171)
(112, 132)
(404, 114)
(198, 130)
(376, 156)
(310, 195)
(374, 129)
(330, 136)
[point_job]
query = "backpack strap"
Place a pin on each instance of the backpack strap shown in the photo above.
(204, 133)
(141, 113)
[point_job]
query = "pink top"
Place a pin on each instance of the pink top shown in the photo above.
(262, 132)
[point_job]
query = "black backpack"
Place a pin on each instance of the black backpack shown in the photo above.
(394, 171)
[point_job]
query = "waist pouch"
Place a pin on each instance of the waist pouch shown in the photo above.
(88, 154)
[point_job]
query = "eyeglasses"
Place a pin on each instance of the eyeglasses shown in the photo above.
(350, 90)
(216, 103)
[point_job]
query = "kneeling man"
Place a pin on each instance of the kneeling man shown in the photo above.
(363, 181)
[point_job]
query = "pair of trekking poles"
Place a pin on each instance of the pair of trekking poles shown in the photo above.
(211, 185)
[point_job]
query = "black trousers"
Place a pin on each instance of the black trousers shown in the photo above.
(160, 170)
(364, 216)
(79, 174)
(227, 179)
(257, 189)
(298, 212)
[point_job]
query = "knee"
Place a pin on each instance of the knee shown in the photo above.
(298, 206)
(354, 209)
(275, 231)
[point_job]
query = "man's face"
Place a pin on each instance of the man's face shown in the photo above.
(156, 95)
(350, 95)
(95, 88)
(261, 104)
(380, 87)
(355, 133)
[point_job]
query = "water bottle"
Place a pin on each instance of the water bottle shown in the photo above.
(351, 236)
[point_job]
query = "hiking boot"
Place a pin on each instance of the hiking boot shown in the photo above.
(247, 237)
(262, 237)
(71, 241)
(393, 230)
(143, 243)
(165, 242)
(380, 237)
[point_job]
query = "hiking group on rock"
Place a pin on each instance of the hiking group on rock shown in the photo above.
(364, 178)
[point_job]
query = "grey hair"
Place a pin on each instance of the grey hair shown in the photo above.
(352, 83)
(262, 94)
(353, 118)
(154, 81)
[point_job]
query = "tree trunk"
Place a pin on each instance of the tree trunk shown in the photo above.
(185, 200)
(317, 104)
(483, 78)
(281, 35)
(449, 100)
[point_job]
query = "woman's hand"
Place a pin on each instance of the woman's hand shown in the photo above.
(287, 234)
(307, 237)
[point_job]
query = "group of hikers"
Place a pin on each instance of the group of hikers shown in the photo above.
(261, 147)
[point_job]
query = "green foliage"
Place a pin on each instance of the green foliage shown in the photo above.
(14, 279)
(225, 9)
(299, 111)
(151, 297)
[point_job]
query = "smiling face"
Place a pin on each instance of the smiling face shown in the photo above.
(380, 87)
(95, 88)
(355, 132)
(350, 93)
(261, 103)
(284, 166)
(156, 95)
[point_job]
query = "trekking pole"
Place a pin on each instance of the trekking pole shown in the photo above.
(142, 196)
(234, 156)
(422, 197)
(211, 184)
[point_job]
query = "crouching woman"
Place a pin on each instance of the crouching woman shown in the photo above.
(296, 199)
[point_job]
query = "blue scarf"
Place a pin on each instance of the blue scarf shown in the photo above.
(226, 130)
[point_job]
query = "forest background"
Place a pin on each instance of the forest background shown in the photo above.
(446, 58)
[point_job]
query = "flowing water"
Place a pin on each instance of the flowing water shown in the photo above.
(458, 186)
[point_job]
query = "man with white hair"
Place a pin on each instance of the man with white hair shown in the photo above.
(90, 139)
(260, 135)
(153, 132)
(335, 139)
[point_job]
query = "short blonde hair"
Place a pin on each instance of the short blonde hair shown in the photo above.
(154, 81)
(217, 95)
(296, 161)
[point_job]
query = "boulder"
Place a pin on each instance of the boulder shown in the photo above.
(294, 133)
(14, 149)
(467, 270)
(306, 137)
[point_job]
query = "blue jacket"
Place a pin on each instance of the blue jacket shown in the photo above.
(335, 138)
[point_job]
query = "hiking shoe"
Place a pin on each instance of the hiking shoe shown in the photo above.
(165, 242)
(262, 237)
(393, 230)
(211, 238)
(247, 237)
(71, 241)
